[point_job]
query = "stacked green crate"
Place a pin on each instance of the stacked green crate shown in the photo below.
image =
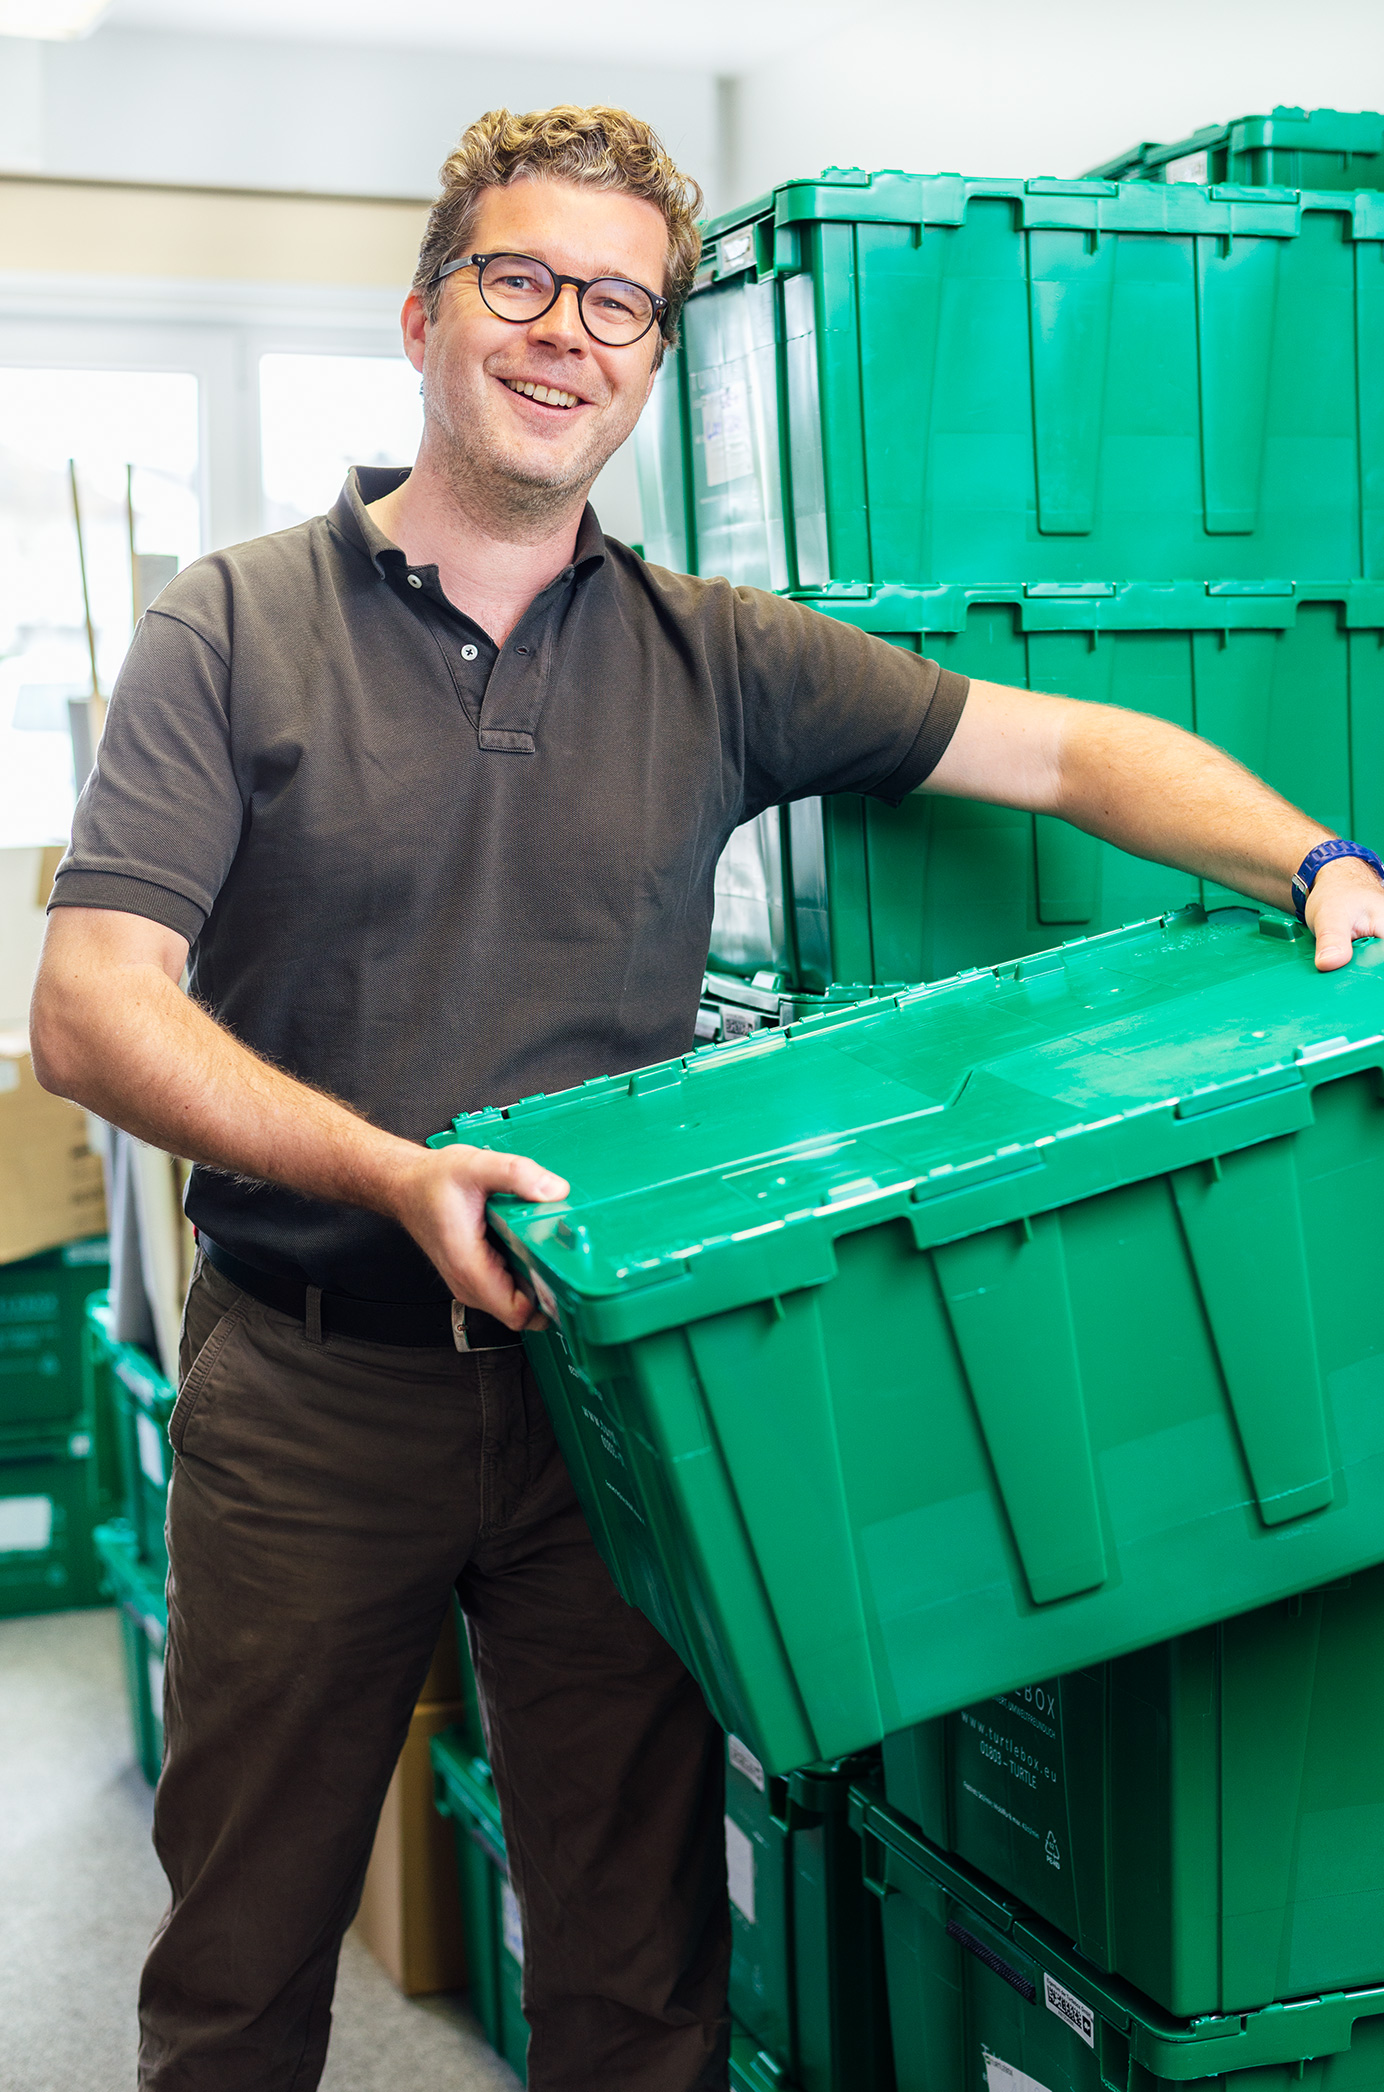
(923, 378)
(983, 1992)
(139, 1401)
(1099, 433)
(49, 1497)
(1289, 148)
(807, 1971)
(465, 1792)
(1200, 1818)
(138, 1590)
(1106, 1146)
(1289, 678)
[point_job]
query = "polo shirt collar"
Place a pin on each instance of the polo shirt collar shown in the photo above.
(350, 517)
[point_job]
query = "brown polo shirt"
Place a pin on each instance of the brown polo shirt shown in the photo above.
(429, 873)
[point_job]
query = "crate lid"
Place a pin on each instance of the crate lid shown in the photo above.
(725, 1177)
(760, 239)
(1359, 132)
(1038, 1963)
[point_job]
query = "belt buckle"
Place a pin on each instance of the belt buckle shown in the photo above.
(461, 1336)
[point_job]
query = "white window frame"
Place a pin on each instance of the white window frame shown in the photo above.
(217, 331)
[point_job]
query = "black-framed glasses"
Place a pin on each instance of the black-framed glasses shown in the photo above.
(517, 288)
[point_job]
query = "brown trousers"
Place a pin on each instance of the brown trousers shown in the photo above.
(326, 1499)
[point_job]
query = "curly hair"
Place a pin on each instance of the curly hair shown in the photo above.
(598, 148)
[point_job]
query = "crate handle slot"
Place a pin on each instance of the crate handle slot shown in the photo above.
(1006, 1298)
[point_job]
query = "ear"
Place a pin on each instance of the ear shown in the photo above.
(414, 323)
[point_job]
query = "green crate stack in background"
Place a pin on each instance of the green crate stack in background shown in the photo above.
(1101, 433)
(465, 1792)
(1288, 148)
(137, 1587)
(133, 1401)
(49, 1488)
(138, 1400)
(807, 1968)
(982, 1992)
(1107, 1147)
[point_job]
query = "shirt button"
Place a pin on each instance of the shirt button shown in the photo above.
(414, 581)
(468, 653)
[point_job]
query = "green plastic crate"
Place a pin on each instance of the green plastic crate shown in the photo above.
(916, 892)
(983, 1993)
(1201, 1817)
(47, 1510)
(464, 1791)
(899, 377)
(141, 1402)
(139, 1593)
(1288, 148)
(920, 1352)
(807, 1966)
(41, 1304)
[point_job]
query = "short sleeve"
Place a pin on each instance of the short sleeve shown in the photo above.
(159, 821)
(828, 708)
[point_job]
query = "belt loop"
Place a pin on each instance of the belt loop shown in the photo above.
(312, 1314)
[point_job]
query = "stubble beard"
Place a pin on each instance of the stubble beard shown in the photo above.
(490, 479)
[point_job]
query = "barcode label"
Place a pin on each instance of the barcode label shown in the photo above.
(743, 1759)
(1078, 2016)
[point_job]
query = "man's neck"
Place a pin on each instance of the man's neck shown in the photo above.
(491, 567)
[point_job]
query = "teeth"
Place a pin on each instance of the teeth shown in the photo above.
(546, 395)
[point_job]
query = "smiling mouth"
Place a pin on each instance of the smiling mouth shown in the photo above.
(546, 395)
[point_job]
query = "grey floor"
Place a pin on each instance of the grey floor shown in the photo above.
(81, 1891)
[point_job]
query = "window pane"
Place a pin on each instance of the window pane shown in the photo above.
(319, 415)
(134, 438)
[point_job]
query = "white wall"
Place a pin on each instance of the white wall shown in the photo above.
(148, 105)
(1006, 88)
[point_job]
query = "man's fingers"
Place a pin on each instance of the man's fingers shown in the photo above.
(517, 1174)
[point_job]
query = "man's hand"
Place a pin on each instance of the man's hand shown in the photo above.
(441, 1201)
(1346, 903)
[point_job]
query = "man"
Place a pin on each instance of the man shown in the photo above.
(432, 792)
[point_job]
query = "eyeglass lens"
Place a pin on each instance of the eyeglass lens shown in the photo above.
(613, 311)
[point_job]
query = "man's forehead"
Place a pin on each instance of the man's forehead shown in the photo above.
(596, 231)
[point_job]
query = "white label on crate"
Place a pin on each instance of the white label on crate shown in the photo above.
(1003, 2077)
(511, 1924)
(156, 1684)
(743, 1759)
(1190, 168)
(740, 1870)
(151, 1444)
(726, 432)
(26, 1524)
(1070, 2009)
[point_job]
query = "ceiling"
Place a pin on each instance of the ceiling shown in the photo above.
(718, 36)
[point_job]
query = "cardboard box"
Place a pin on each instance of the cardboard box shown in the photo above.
(51, 1189)
(410, 1911)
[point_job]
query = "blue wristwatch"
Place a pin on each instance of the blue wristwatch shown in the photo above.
(1304, 878)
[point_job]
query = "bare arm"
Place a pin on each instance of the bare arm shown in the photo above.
(111, 1028)
(1158, 793)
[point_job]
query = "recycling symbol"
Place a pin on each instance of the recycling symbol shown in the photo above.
(1051, 1853)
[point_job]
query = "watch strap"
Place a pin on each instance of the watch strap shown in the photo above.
(1305, 877)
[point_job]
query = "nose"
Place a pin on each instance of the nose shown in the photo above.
(561, 325)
